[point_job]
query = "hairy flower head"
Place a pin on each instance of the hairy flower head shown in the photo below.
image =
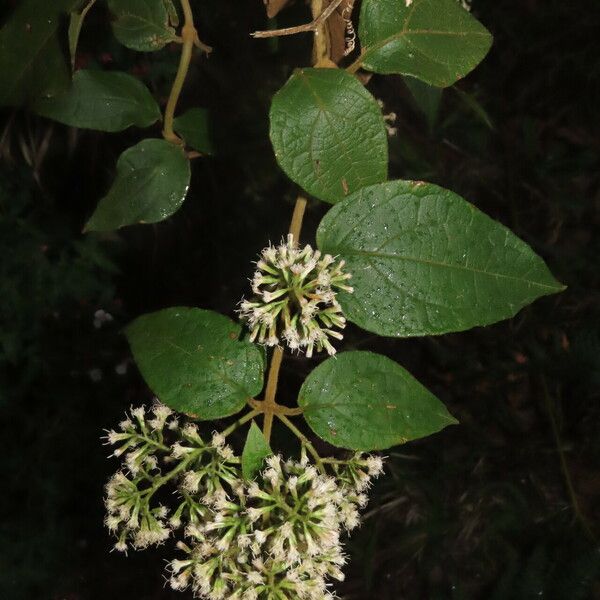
(295, 298)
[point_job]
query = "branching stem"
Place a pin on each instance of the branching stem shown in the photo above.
(269, 406)
(304, 440)
(247, 417)
(314, 25)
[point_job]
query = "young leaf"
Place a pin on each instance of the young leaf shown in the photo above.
(328, 133)
(365, 401)
(76, 20)
(192, 360)
(141, 24)
(427, 99)
(32, 63)
(103, 100)
(255, 451)
(424, 261)
(151, 184)
(436, 41)
(193, 127)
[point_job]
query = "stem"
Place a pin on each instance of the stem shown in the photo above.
(180, 467)
(297, 217)
(305, 441)
(155, 443)
(320, 42)
(319, 18)
(247, 417)
(269, 405)
(189, 35)
(356, 65)
(579, 516)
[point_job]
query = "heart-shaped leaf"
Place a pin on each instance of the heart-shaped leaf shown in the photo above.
(328, 133)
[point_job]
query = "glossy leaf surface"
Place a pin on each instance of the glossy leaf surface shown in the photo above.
(436, 41)
(328, 133)
(365, 401)
(151, 184)
(102, 100)
(192, 360)
(424, 261)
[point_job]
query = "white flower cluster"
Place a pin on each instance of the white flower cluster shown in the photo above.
(295, 298)
(275, 537)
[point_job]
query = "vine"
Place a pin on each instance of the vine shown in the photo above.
(395, 258)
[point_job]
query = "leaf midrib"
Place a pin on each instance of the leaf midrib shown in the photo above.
(373, 254)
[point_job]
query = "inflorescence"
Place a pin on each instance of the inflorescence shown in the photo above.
(277, 537)
(295, 298)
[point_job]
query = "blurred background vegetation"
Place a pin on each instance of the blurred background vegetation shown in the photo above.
(506, 505)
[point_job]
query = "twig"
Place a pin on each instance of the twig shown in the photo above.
(297, 217)
(312, 26)
(269, 404)
(305, 441)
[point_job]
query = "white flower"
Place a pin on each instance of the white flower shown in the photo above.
(295, 301)
(191, 481)
(374, 465)
(218, 441)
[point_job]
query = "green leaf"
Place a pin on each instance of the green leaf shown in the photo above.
(103, 100)
(424, 261)
(172, 12)
(193, 127)
(255, 451)
(141, 24)
(328, 133)
(192, 360)
(427, 99)
(32, 63)
(472, 104)
(151, 184)
(75, 24)
(365, 401)
(436, 41)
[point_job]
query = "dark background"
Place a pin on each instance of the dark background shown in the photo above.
(504, 505)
